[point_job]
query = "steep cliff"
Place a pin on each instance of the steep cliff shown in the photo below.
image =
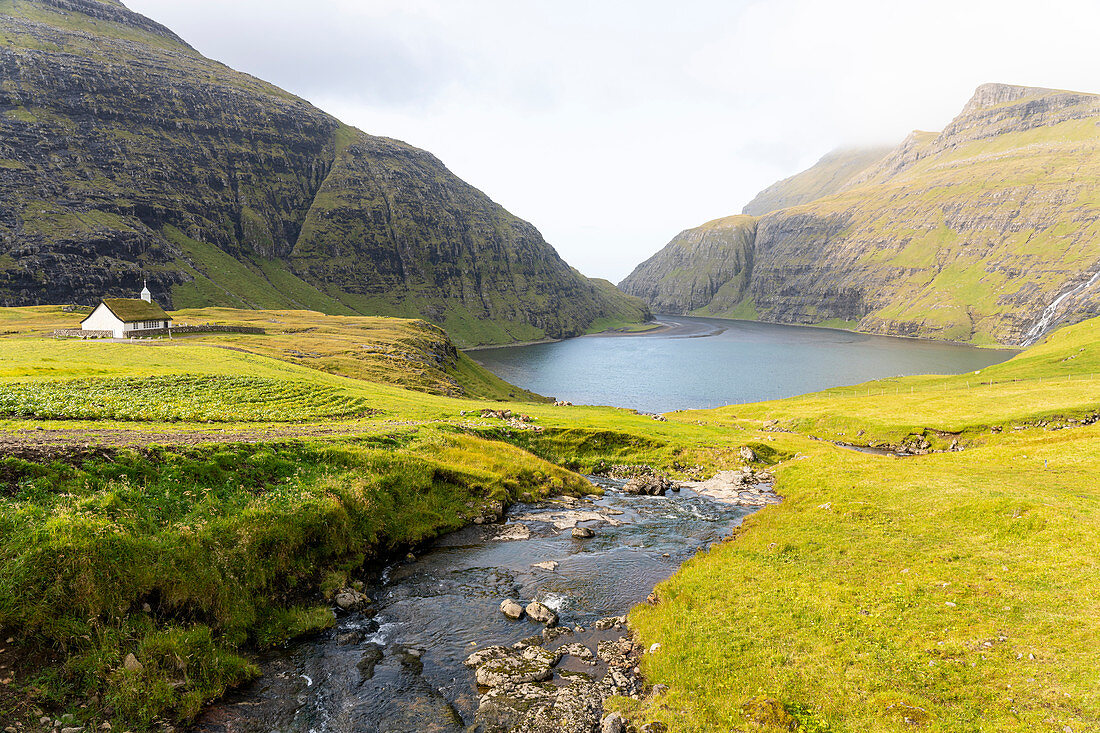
(986, 232)
(830, 175)
(705, 270)
(125, 153)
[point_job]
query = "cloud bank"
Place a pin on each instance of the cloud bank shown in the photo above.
(613, 125)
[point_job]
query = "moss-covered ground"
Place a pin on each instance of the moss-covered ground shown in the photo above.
(954, 591)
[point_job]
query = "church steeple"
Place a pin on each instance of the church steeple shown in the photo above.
(145, 294)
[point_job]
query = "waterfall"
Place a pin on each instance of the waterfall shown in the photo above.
(1046, 319)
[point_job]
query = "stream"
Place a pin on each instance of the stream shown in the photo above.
(399, 665)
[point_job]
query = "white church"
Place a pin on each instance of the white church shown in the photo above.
(127, 316)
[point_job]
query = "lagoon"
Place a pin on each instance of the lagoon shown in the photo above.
(707, 362)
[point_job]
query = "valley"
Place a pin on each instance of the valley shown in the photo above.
(281, 511)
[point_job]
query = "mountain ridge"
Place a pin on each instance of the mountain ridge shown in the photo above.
(125, 154)
(968, 234)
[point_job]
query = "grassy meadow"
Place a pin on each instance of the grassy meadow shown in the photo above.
(954, 591)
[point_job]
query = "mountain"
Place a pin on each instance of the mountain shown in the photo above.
(705, 270)
(829, 175)
(124, 153)
(986, 232)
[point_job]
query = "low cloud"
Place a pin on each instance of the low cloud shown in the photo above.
(614, 125)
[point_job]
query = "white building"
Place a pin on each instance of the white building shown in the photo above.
(127, 316)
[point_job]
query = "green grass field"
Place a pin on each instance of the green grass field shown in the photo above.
(955, 591)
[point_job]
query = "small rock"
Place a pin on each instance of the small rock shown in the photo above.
(484, 655)
(105, 726)
(410, 557)
(348, 637)
(550, 565)
(131, 664)
(648, 485)
(511, 609)
(577, 650)
(539, 612)
(72, 730)
(610, 622)
(748, 455)
(582, 533)
(349, 599)
(613, 723)
(514, 532)
(949, 604)
(654, 727)
(767, 711)
(659, 690)
(553, 633)
(512, 671)
(654, 648)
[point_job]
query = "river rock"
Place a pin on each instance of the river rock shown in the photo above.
(582, 533)
(550, 565)
(553, 633)
(349, 599)
(748, 455)
(613, 723)
(484, 655)
(539, 612)
(513, 670)
(514, 532)
(577, 651)
(610, 622)
(573, 709)
(541, 655)
(649, 485)
(511, 609)
(502, 708)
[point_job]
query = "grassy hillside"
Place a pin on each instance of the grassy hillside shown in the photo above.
(405, 353)
(952, 591)
(968, 234)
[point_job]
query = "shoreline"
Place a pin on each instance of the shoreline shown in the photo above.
(684, 330)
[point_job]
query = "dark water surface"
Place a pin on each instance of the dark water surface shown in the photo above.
(398, 668)
(707, 362)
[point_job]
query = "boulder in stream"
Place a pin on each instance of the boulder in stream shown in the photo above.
(511, 609)
(533, 664)
(582, 533)
(649, 485)
(349, 599)
(541, 613)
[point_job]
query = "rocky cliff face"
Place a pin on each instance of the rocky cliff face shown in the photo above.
(124, 153)
(968, 235)
(705, 270)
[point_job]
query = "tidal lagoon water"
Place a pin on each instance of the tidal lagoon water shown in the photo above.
(705, 362)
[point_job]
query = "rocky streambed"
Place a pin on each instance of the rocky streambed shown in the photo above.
(433, 650)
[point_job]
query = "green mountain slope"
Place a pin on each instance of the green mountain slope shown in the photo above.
(829, 175)
(125, 153)
(706, 270)
(986, 232)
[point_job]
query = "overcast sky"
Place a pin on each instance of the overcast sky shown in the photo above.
(612, 124)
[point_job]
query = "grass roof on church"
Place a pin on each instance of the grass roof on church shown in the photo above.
(129, 310)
